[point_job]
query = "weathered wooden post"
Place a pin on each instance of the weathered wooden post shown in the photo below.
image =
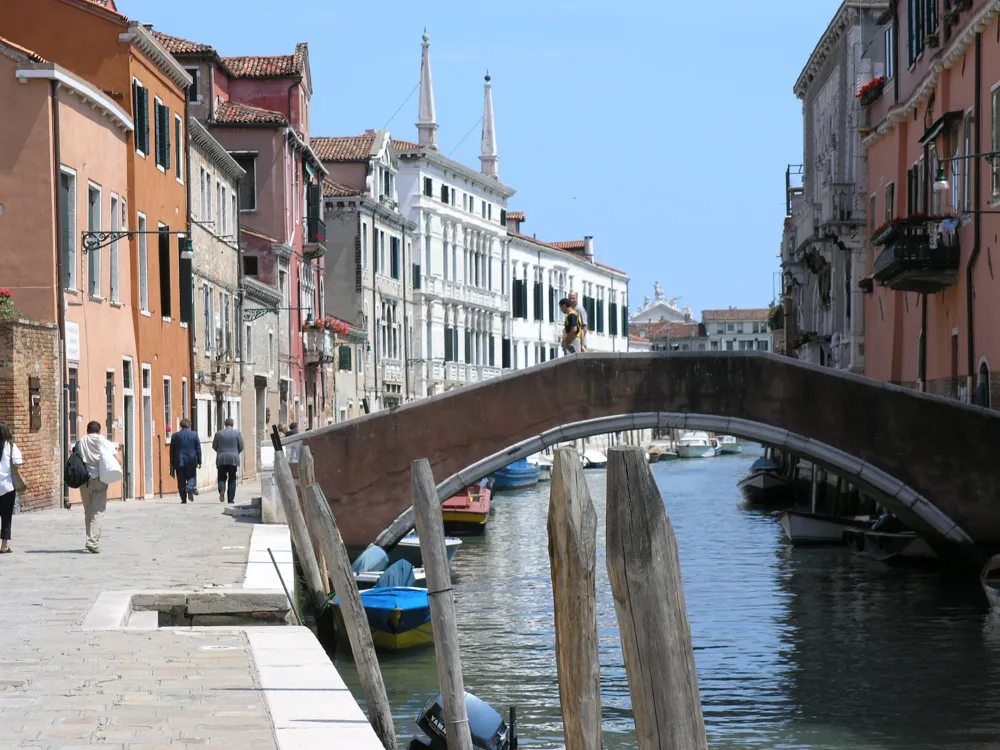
(572, 559)
(813, 488)
(355, 620)
(297, 526)
(646, 582)
(430, 530)
(307, 478)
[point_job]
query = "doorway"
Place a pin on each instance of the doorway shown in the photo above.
(260, 416)
(147, 431)
(128, 430)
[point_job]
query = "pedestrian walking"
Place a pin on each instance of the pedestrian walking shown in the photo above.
(94, 493)
(293, 429)
(10, 482)
(185, 460)
(228, 445)
(582, 313)
(572, 330)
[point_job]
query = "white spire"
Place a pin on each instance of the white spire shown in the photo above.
(427, 122)
(488, 156)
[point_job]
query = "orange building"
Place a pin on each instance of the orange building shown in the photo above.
(932, 129)
(122, 59)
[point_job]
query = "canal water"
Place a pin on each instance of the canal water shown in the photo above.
(795, 648)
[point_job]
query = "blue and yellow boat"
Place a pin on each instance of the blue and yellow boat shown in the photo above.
(399, 613)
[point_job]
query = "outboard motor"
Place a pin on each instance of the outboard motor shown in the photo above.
(489, 732)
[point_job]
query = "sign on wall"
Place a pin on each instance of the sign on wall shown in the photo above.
(72, 341)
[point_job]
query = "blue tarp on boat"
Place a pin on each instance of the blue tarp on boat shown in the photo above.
(396, 610)
(372, 559)
(399, 574)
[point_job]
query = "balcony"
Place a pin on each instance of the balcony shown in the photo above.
(314, 244)
(919, 254)
(457, 291)
(319, 346)
(838, 205)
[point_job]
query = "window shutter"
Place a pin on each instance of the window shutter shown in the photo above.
(166, 138)
(345, 358)
(145, 119)
(468, 347)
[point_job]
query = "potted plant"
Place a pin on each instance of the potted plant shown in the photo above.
(871, 91)
(7, 309)
(775, 317)
(931, 39)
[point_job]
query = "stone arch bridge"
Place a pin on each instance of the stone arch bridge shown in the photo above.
(932, 461)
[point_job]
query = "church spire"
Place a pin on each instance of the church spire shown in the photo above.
(427, 121)
(488, 156)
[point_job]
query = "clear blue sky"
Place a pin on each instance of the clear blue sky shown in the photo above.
(662, 128)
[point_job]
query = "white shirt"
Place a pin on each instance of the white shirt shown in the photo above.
(9, 451)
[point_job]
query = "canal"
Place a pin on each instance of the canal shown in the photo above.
(795, 648)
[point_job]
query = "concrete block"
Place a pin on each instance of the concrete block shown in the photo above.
(236, 602)
(158, 599)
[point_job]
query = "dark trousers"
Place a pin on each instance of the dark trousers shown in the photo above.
(6, 513)
(227, 474)
(187, 481)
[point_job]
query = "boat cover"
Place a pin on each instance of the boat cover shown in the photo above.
(396, 610)
(763, 464)
(372, 559)
(400, 573)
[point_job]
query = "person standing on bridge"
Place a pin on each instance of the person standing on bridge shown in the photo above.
(572, 330)
(574, 302)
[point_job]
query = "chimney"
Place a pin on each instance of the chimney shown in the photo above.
(588, 248)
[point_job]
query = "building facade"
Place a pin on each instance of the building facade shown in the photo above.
(371, 275)
(544, 273)
(664, 336)
(257, 107)
(660, 309)
(930, 118)
(462, 330)
(259, 367)
(822, 252)
(216, 331)
(123, 60)
(737, 330)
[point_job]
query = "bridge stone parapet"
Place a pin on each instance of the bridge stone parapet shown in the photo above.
(930, 459)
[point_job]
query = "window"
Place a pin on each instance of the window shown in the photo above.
(184, 399)
(921, 20)
(72, 385)
(228, 327)
(94, 225)
(394, 259)
(444, 194)
(116, 225)
(143, 266)
(762, 346)
(109, 406)
(140, 116)
(179, 147)
(270, 351)
(380, 256)
(890, 201)
(223, 206)
(345, 358)
(234, 217)
(428, 187)
(161, 126)
(730, 327)
(192, 92)
(967, 172)
(165, 277)
(206, 204)
(168, 421)
(484, 216)
(127, 374)
(739, 328)
(364, 246)
(250, 265)
(247, 343)
(220, 208)
(248, 183)
(489, 211)
(995, 140)
(890, 52)
(715, 346)
(729, 346)
(67, 221)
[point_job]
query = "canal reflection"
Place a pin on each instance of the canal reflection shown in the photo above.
(795, 648)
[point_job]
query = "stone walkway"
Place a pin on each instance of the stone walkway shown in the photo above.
(62, 687)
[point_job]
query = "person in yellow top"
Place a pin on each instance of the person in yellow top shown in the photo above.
(572, 338)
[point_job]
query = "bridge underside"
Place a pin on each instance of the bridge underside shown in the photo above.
(931, 458)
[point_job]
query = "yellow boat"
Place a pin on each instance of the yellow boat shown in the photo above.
(399, 617)
(466, 513)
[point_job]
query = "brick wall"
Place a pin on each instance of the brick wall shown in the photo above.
(32, 350)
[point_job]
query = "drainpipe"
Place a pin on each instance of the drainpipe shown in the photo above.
(406, 320)
(375, 250)
(541, 321)
(61, 301)
(976, 220)
(922, 348)
(192, 389)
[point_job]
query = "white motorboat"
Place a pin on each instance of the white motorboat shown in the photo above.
(729, 446)
(989, 579)
(803, 528)
(544, 464)
(594, 459)
(695, 445)
(765, 486)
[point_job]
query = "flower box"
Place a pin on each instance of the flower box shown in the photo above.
(932, 39)
(871, 91)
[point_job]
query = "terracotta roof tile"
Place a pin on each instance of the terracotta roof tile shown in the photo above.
(404, 145)
(638, 339)
(333, 189)
(734, 313)
(610, 268)
(350, 148)
(32, 56)
(267, 66)
(571, 245)
(515, 215)
(233, 113)
(664, 329)
(177, 46)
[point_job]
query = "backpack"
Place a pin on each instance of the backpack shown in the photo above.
(76, 474)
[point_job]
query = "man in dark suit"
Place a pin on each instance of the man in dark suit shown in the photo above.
(185, 460)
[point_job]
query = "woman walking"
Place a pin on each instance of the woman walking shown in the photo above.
(10, 456)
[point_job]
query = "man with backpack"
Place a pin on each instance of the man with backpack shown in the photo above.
(94, 492)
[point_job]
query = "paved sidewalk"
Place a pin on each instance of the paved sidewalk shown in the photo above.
(62, 687)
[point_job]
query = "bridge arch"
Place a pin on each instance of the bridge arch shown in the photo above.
(931, 457)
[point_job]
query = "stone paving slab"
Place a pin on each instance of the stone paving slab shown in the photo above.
(62, 687)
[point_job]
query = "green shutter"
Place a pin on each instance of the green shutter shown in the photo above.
(145, 121)
(345, 358)
(157, 133)
(166, 136)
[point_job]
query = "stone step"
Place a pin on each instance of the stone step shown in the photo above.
(242, 511)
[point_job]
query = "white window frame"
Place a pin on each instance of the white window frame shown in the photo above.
(145, 116)
(94, 256)
(224, 213)
(118, 209)
(179, 147)
(73, 255)
(143, 270)
(184, 399)
(208, 321)
(195, 74)
(252, 155)
(248, 343)
(168, 405)
(160, 226)
(270, 350)
(157, 101)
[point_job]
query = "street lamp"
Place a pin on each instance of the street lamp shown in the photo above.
(941, 181)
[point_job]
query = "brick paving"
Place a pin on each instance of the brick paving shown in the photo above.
(61, 687)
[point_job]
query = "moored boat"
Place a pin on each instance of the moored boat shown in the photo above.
(729, 446)
(408, 549)
(765, 486)
(399, 617)
(487, 729)
(695, 445)
(989, 579)
(802, 527)
(593, 459)
(468, 512)
(888, 540)
(544, 464)
(516, 476)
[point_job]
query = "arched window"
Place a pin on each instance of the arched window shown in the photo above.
(983, 384)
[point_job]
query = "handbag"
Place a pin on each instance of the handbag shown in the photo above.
(19, 486)
(110, 471)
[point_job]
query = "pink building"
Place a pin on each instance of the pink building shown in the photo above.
(932, 130)
(63, 172)
(257, 107)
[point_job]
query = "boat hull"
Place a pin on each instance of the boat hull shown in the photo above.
(516, 476)
(466, 513)
(409, 549)
(884, 546)
(731, 449)
(989, 579)
(814, 528)
(766, 489)
(695, 451)
(399, 618)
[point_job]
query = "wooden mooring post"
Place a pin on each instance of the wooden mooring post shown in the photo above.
(430, 530)
(307, 478)
(324, 527)
(285, 483)
(645, 575)
(572, 558)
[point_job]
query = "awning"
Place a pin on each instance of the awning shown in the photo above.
(944, 121)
